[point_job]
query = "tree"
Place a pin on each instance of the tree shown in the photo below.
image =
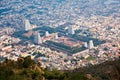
(28, 62)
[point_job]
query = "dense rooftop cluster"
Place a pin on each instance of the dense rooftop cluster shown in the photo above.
(53, 13)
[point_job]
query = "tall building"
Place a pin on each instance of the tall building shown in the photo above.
(71, 30)
(91, 44)
(27, 25)
(46, 33)
(37, 38)
(86, 45)
(56, 36)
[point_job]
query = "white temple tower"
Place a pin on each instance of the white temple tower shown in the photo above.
(91, 44)
(27, 25)
(37, 38)
(71, 30)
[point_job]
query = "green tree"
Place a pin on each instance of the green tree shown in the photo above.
(28, 62)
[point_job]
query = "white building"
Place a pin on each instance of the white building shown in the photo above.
(71, 30)
(56, 36)
(91, 44)
(37, 38)
(46, 33)
(86, 45)
(27, 25)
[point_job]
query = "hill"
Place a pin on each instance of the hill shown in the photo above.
(27, 69)
(109, 70)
